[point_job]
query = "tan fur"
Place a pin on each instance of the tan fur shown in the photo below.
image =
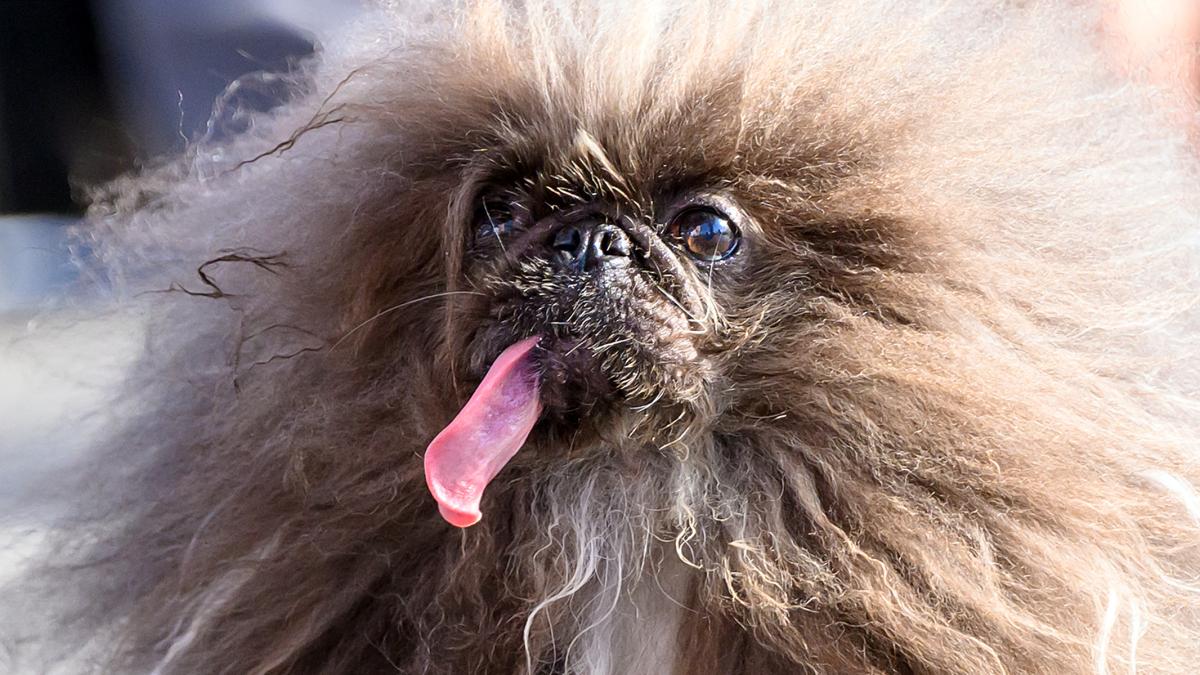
(946, 424)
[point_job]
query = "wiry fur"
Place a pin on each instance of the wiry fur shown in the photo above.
(947, 424)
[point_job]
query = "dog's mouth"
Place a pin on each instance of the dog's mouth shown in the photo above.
(552, 385)
(545, 385)
(549, 379)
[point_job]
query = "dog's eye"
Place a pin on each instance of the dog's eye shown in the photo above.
(495, 219)
(707, 235)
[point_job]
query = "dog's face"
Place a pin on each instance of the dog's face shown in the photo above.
(620, 291)
(596, 310)
(622, 294)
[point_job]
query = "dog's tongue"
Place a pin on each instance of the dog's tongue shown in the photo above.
(488, 431)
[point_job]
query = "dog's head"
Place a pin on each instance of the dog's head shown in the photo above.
(632, 283)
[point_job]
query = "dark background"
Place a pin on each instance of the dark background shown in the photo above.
(89, 90)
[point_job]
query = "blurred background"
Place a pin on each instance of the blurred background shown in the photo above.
(89, 90)
(93, 89)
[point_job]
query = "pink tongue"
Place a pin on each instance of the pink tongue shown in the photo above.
(475, 446)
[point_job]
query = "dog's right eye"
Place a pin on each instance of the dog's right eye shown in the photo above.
(495, 220)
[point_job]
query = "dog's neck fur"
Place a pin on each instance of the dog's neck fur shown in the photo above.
(637, 630)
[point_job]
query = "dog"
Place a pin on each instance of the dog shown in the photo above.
(658, 337)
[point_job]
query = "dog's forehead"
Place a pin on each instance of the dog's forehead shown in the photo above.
(591, 136)
(636, 167)
(710, 139)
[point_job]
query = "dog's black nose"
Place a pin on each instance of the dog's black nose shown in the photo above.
(587, 245)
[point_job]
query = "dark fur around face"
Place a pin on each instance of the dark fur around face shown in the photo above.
(938, 415)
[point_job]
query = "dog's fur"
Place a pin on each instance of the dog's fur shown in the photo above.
(947, 421)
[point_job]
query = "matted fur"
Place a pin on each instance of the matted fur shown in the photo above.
(950, 424)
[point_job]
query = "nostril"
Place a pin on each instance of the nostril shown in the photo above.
(614, 242)
(568, 239)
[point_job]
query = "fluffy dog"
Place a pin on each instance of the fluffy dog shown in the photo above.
(661, 337)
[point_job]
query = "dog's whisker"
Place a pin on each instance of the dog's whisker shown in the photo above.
(394, 308)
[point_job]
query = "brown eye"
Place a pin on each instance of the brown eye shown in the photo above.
(706, 234)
